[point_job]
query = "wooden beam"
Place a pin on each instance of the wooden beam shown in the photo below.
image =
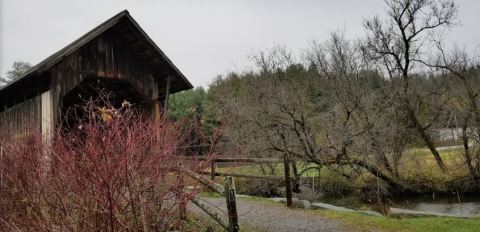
(210, 211)
(167, 94)
(212, 175)
(156, 108)
(213, 185)
(236, 160)
(230, 197)
(47, 123)
(263, 177)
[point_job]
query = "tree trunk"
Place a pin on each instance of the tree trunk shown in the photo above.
(376, 172)
(468, 158)
(296, 180)
(288, 187)
(426, 139)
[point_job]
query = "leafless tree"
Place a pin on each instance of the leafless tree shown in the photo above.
(401, 43)
(361, 129)
(18, 69)
(465, 70)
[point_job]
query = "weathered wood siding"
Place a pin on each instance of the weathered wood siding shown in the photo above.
(103, 57)
(47, 118)
(24, 117)
(128, 59)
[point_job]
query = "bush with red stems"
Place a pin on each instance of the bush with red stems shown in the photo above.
(113, 171)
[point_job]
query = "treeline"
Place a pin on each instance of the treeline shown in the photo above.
(359, 106)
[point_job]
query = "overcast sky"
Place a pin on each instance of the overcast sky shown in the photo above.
(202, 38)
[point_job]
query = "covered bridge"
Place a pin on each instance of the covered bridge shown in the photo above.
(117, 56)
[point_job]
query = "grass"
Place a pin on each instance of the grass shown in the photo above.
(360, 222)
(428, 175)
(363, 223)
(210, 194)
(417, 167)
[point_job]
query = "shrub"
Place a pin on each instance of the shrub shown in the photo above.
(112, 171)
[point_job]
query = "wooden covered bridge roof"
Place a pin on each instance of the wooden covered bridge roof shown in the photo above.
(124, 26)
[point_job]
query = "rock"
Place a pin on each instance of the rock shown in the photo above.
(307, 193)
(306, 205)
(301, 204)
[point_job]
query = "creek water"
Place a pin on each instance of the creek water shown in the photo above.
(469, 206)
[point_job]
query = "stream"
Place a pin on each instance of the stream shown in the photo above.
(469, 206)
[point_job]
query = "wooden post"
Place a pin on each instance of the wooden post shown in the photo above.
(212, 175)
(231, 205)
(182, 201)
(288, 186)
(1, 168)
(313, 183)
(47, 122)
(156, 110)
(167, 94)
(156, 105)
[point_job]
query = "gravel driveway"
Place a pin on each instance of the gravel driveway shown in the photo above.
(274, 217)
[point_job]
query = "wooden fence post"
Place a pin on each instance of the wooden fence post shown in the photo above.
(212, 176)
(288, 186)
(182, 201)
(231, 205)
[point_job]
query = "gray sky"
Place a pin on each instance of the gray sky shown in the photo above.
(202, 38)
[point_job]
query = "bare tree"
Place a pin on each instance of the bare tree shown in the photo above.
(360, 127)
(401, 44)
(19, 68)
(465, 70)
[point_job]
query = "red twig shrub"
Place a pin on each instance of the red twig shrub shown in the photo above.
(113, 171)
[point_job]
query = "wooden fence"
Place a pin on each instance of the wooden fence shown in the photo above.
(286, 177)
(228, 190)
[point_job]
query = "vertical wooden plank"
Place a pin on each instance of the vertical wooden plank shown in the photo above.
(156, 103)
(231, 205)
(47, 116)
(167, 94)
(156, 110)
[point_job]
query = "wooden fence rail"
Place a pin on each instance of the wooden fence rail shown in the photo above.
(208, 183)
(210, 211)
(248, 176)
(286, 162)
(228, 190)
(237, 160)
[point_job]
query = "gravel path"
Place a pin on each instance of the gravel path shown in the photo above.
(275, 217)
